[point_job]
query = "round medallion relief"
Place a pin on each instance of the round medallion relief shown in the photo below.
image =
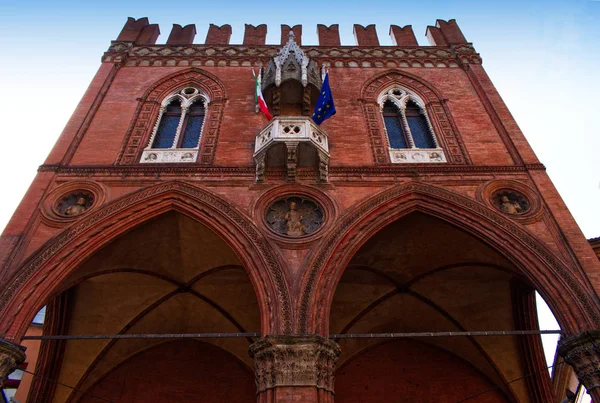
(74, 203)
(510, 201)
(294, 216)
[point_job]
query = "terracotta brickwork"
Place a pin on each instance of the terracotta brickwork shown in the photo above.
(491, 188)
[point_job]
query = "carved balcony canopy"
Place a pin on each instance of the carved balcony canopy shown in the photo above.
(291, 141)
(291, 64)
(291, 82)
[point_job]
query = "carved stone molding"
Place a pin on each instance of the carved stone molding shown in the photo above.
(281, 361)
(245, 56)
(249, 172)
(11, 356)
(582, 352)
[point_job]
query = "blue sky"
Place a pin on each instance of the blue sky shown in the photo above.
(543, 57)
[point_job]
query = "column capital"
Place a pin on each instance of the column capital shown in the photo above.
(11, 356)
(582, 352)
(283, 361)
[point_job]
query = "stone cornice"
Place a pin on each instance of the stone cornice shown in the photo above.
(174, 170)
(243, 55)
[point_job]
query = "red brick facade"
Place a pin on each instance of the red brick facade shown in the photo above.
(184, 247)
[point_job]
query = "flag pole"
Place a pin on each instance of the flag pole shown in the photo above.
(256, 109)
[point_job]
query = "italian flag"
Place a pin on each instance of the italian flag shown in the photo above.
(259, 99)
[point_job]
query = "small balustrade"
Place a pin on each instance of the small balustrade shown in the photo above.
(291, 131)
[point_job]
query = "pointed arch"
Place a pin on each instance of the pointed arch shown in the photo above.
(148, 110)
(40, 275)
(435, 106)
(570, 296)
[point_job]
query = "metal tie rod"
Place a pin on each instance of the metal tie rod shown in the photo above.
(333, 336)
(144, 336)
(441, 334)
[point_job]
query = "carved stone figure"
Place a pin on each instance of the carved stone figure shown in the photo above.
(294, 216)
(78, 208)
(510, 206)
(293, 221)
(511, 202)
(435, 156)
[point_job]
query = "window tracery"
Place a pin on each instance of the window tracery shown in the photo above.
(409, 132)
(178, 129)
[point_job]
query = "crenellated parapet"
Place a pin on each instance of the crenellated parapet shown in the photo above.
(136, 45)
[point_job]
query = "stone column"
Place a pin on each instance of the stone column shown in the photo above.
(582, 352)
(11, 356)
(294, 368)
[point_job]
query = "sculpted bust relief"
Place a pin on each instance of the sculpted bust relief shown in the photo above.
(74, 204)
(76, 209)
(509, 206)
(510, 202)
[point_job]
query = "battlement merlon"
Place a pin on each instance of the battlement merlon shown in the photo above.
(136, 46)
(140, 31)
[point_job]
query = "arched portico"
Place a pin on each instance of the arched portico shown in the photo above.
(41, 274)
(419, 258)
(568, 293)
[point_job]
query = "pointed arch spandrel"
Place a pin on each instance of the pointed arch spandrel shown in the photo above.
(148, 109)
(40, 275)
(572, 300)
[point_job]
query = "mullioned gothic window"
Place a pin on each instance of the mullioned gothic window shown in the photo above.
(178, 129)
(410, 135)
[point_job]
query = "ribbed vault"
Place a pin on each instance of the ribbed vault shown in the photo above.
(169, 275)
(420, 274)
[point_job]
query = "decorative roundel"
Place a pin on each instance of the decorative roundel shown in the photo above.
(71, 200)
(74, 203)
(510, 201)
(294, 216)
(513, 198)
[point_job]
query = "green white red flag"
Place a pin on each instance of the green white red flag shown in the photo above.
(259, 100)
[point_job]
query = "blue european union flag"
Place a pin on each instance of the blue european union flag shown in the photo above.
(325, 107)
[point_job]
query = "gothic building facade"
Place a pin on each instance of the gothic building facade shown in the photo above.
(188, 249)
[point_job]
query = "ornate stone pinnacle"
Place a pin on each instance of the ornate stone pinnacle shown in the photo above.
(11, 356)
(294, 361)
(582, 352)
(291, 36)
